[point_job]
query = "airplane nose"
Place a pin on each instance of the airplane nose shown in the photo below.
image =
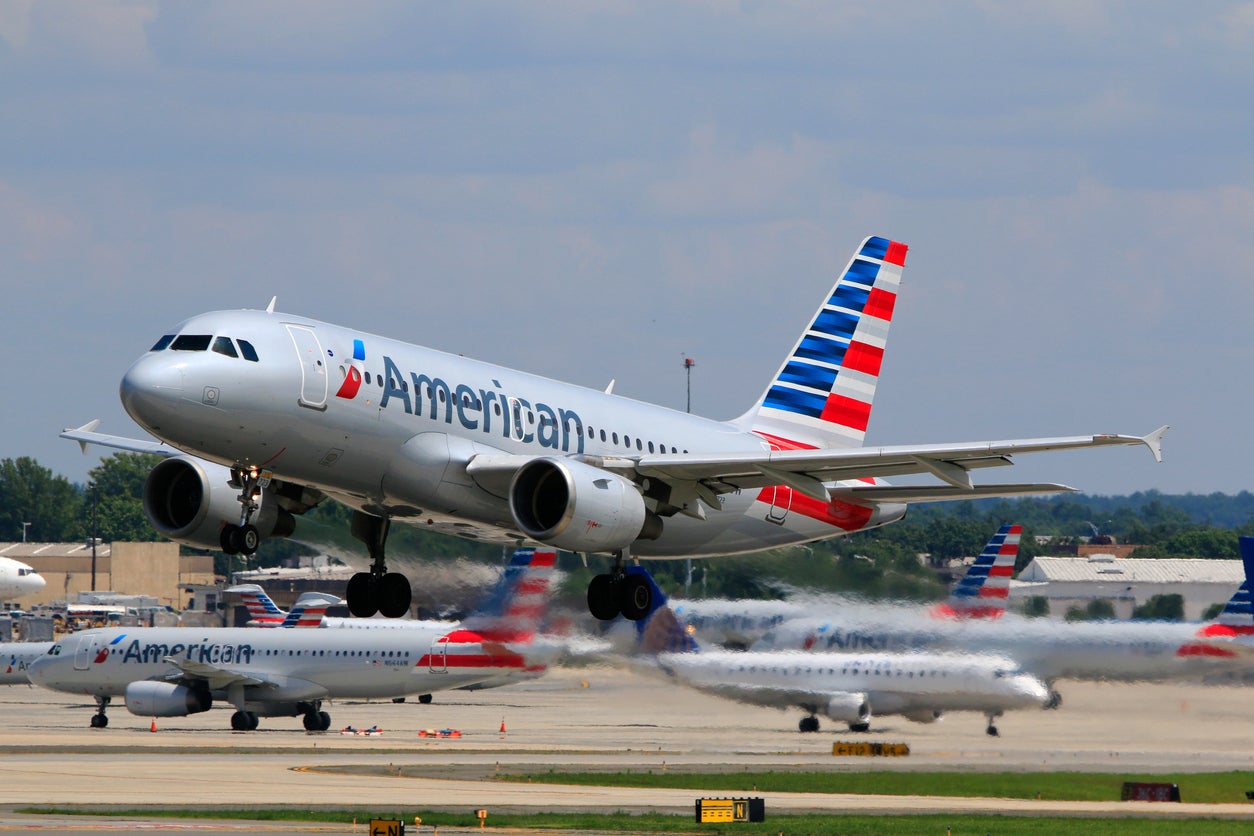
(151, 390)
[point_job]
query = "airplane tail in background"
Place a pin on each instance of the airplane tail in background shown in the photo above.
(309, 609)
(983, 590)
(514, 609)
(821, 396)
(262, 611)
(661, 630)
(1237, 617)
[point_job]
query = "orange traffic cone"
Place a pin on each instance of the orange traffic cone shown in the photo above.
(153, 727)
(502, 727)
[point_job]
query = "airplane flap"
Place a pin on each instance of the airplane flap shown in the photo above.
(938, 493)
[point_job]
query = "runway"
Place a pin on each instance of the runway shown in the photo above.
(596, 719)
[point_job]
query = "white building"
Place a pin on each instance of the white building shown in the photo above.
(1127, 582)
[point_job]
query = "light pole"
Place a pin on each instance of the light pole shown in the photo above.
(92, 487)
(24, 527)
(688, 364)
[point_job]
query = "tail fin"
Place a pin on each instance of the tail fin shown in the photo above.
(821, 396)
(1237, 618)
(983, 590)
(661, 630)
(309, 609)
(262, 611)
(514, 608)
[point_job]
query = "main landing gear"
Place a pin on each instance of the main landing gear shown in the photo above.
(808, 724)
(376, 591)
(619, 593)
(243, 538)
(992, 731)
(100, 720)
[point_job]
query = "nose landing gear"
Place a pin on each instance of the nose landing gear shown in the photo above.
(244, 538)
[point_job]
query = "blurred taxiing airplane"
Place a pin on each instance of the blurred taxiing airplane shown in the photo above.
(849, 688)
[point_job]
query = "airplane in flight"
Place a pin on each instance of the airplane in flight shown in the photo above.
(18, 579)
(177, 671)
(980, 593)
(262, 415)
(847, 687)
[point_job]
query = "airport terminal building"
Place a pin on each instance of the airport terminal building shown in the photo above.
(1127, 583)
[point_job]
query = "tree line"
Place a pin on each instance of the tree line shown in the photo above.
(883, 563)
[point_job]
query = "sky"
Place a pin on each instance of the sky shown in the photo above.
(594, 191)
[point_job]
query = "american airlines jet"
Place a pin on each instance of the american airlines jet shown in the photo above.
(177, 671)
(263, 415)
(846, 687)
(18, 579)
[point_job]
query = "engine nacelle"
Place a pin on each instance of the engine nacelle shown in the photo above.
(189, 500)
(165, 699)
(849, 708)
(578, 507)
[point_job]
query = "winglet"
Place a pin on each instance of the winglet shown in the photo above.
(270, 307)
(1154, 441)
(90, 426)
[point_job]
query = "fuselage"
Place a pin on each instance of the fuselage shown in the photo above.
(908, 683)
(16, 658)
(1048, 648)
(294, 664)
(387, 427)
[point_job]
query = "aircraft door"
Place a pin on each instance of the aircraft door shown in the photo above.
(439, 655)
(87, 651)
(313, 367)
(780, 498)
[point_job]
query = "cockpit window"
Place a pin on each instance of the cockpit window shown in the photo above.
(246, 348)
(191, 342)
(223, 345)
(163, 343)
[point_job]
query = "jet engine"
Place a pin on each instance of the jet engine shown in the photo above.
(165, 699)
(189, 500)
(575, 506)
(849, 708)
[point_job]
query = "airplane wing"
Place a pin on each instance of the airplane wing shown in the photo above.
(86, 434)
(810, 471)
(215, 677)
(219, 679)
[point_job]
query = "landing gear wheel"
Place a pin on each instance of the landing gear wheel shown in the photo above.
(324, 721)
(239, 721)
(635, 597)
(228, 539)
(99, 721)
(313, 722)
(425, 699)
(1055, 699)
(808, 724)
(992, 731)
(393, 595)
(248, 539)
(360, 595)
(859, 727)
(603, 598)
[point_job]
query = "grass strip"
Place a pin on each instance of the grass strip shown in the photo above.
(815, 825)
(1200, 788)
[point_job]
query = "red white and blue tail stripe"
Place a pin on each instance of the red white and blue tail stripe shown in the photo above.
(983, 590)
(821, 396)
(516, 606)
(262, 611)
(1237, 617)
